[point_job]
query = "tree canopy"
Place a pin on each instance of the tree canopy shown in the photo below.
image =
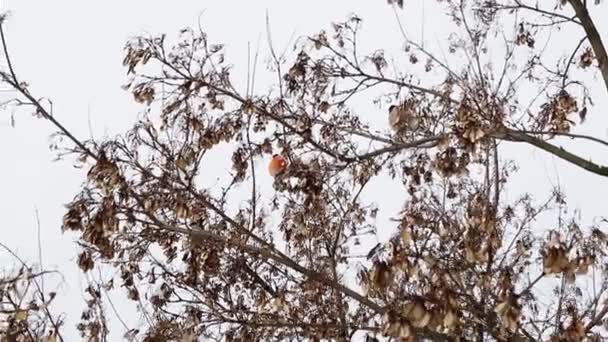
(303, 262)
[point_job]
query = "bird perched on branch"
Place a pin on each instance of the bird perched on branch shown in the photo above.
(277, 165)
(402, 118)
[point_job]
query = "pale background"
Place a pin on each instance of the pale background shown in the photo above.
(71, 51)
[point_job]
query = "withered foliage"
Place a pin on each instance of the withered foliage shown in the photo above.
(462, 263)
(25, 306)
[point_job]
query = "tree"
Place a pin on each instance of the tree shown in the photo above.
(463, 262)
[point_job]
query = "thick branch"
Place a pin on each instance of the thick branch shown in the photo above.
(597, 319)
(594, 37)
(555, 150)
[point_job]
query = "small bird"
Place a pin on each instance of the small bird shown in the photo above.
(277, 165)
(402, 117)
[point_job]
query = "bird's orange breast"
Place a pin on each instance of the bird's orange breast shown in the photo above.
(277, 165)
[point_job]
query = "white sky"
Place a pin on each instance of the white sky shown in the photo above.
(71, 52)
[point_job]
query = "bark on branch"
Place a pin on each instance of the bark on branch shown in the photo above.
(559, 152)
(594, 37)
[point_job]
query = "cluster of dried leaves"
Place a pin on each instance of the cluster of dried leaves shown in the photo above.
(463, 262)
(25, 314)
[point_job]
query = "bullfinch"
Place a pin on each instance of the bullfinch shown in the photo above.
(277, 165)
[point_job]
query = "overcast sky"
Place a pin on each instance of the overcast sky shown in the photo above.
(71, 52)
